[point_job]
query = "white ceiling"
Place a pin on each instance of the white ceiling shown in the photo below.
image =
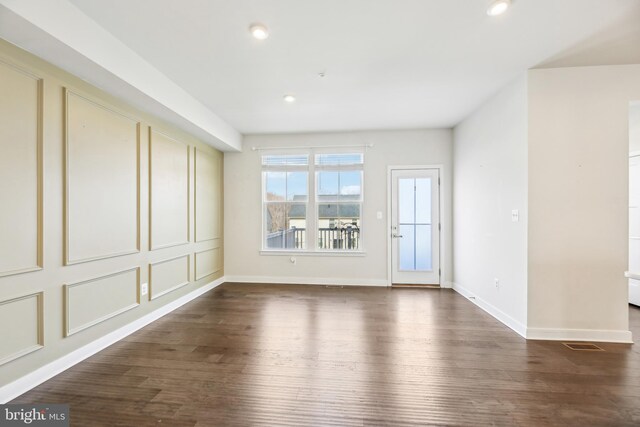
(389, 63)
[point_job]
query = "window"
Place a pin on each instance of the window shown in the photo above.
(312, 202)
(285, 197)
(339, 200)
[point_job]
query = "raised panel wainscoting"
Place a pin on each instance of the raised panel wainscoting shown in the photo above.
(97, 202)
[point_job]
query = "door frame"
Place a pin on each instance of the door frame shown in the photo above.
(442, 258)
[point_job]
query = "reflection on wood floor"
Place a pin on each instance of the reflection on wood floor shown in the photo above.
(270, 355)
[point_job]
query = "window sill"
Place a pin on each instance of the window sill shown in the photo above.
(314, 253)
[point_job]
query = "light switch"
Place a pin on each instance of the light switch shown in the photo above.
(515, 215)
(379, 214)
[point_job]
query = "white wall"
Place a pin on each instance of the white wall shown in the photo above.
(243, 214)
(634, 127)
(578, 184)
(490, 180)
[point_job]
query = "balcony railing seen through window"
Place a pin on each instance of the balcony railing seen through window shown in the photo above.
(347, 238)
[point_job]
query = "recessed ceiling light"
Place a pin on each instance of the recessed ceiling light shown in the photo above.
(289, 98)
(498, 7)
(259, 31)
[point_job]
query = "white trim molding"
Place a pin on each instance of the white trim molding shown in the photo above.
(42, 374)
(307, 281)
(547, 334)
(596, 335)
(444, 281)
(507, 320)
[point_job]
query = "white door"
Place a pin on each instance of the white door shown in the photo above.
(634, 230)
(415, 226)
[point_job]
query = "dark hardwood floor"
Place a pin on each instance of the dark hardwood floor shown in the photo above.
(272, 355)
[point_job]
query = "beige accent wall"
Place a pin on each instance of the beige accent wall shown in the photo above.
(578, 197)
(102, 180)
(169, 191)
(208, 197)
(168, 275)
(96, 199)
(21, 168)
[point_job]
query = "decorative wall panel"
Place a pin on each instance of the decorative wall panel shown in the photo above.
(93, 301)
(22, 326)
(208, 184)
(207, 262)
(20, 171)
(102, 181)
(168, 192)
(168, 275)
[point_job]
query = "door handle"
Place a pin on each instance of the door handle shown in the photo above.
(397, 236)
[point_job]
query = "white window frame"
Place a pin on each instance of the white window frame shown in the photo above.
(312, 219)
(284, 169)
(340, 168)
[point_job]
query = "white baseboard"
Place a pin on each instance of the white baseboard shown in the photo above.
(579, 335)
(307, 280)
(492, 310)
(40, 375)
(546, 333)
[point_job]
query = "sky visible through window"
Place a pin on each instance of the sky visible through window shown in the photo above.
(294, 185)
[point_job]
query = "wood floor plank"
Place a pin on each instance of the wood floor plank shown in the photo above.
(290, 355)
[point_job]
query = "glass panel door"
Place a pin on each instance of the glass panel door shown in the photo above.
(415, 226)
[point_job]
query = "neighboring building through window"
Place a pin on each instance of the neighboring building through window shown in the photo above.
(323, 215)
(339, 200)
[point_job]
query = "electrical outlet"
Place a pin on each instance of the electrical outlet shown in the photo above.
(144, 289)
(496, 281)
(515, 215)
(293, 260)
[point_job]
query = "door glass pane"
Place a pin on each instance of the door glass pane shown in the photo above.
(423, 247)
(406, 247)
(406, 200)
(423, 200)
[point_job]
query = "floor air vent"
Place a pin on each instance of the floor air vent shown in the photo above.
(582, 346)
